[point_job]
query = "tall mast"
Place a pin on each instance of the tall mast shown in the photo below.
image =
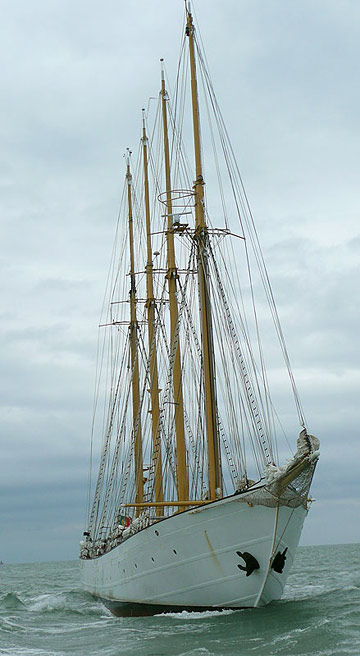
(172, 276)
(150, 305)
(133, 327)
(202, 239)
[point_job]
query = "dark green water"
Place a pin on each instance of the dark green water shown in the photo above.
(44, 613)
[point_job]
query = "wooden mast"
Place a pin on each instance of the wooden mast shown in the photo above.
(202, 238)
(133, 327)
(172, 275)
(150, 305)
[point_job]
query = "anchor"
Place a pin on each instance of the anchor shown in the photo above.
(278, 563)
(251, 564)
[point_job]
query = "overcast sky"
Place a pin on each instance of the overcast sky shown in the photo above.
(74, 77)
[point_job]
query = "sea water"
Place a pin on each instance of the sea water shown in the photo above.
(43, 612)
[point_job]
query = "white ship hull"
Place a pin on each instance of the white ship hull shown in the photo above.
(190, 560)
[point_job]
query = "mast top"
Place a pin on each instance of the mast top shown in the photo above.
(162, 69)
(189, 18)
(127, 158)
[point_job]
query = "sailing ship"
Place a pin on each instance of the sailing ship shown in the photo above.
(195, 504)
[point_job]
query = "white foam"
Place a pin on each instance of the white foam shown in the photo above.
(48, 602)
(197, 615)
(199, 651)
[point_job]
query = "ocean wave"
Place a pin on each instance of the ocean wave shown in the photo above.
(11, 601)
(302, 592)
(72, 601)
(27, 651)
